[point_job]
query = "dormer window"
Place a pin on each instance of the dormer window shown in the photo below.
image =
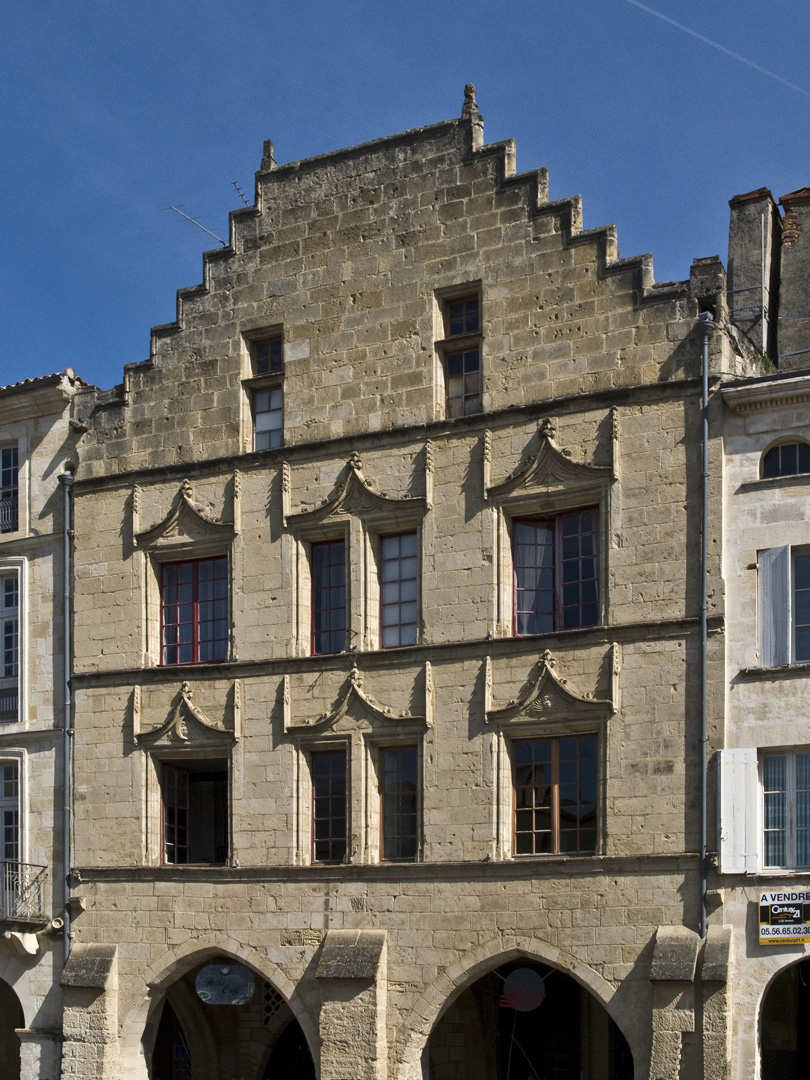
(786, 459)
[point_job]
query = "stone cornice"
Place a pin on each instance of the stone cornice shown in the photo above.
(441, 652)
(767, 394)
(551, 867)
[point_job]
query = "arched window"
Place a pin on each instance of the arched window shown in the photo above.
(786, 459)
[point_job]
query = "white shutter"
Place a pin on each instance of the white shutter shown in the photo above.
(738, 802)
(774, 606)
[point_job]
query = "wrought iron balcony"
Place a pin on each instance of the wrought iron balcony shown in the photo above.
(21, 893)
(9, 705)
(9, 521)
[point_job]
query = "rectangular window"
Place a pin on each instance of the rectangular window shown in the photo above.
(398, 589)
(785, 779)
(400, 802)
(9, 470)
(194, 608)
(268, 356)
(461, 352)
(555, 795)
(556, 572)
(194, 804)
(328, 596)
(328, 805)
(10, 811)
(9, 647)
(784, 606)
(268, 418)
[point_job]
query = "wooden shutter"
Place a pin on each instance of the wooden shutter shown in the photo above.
(774, 606)
(738, 795)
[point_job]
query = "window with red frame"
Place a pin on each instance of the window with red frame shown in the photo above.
(399, 784)
(328, 596)
(556, 572)
(194, 610)
(194, 805)
(555, 795)
(328, 769)
(398, 589)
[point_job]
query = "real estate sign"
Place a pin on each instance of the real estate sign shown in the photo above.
(784, 917)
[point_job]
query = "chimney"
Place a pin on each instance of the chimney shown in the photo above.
(754, 240)
(794, 284)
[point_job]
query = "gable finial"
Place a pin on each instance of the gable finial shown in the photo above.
(469, 110)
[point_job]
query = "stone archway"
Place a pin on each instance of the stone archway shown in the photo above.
(525, 1019)
(784, 1024)
(455, 980)
(208, 1034)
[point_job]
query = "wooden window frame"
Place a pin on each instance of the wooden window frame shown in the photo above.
(790, 793)
(174, 772)
(317, 591)
(387, 606)
(195, 621)
(555, 814)
(399, 836)
(334, 841)
(555, 522)
(461, 348)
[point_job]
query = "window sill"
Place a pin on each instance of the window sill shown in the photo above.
(784, 671)
(764, 483)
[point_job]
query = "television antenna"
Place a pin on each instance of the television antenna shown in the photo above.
(199, 226)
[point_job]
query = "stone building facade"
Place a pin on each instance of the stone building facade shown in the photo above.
(763, 755)
(37, 454)
(387, 641)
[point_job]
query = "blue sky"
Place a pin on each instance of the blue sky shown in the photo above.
(113, 111)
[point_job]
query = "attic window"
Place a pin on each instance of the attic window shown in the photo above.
(786, 459)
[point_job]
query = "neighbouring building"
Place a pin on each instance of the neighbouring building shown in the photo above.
(764, 763)
(37, 456)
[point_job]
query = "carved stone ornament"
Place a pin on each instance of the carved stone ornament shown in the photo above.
(185, 520)
(354, 695)
(354, 494)
(188, 725)
(548, 696)
(550, 467)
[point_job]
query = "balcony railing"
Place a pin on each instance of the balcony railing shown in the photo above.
(9, 521)
(21, 888)
(9, 705)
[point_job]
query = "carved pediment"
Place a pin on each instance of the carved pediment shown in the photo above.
(185, 521)
(355, 702)
(355, 495)
(187, 723)
(550, 467)
(548, 697)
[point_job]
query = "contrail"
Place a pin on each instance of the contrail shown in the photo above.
(721, 48)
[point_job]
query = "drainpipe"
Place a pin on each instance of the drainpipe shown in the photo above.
(66, 480)
(705, 327)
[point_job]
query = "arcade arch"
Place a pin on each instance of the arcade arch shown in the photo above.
(526, 1019)
(181, 1037)
(11, 1018)
(784, 1024)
